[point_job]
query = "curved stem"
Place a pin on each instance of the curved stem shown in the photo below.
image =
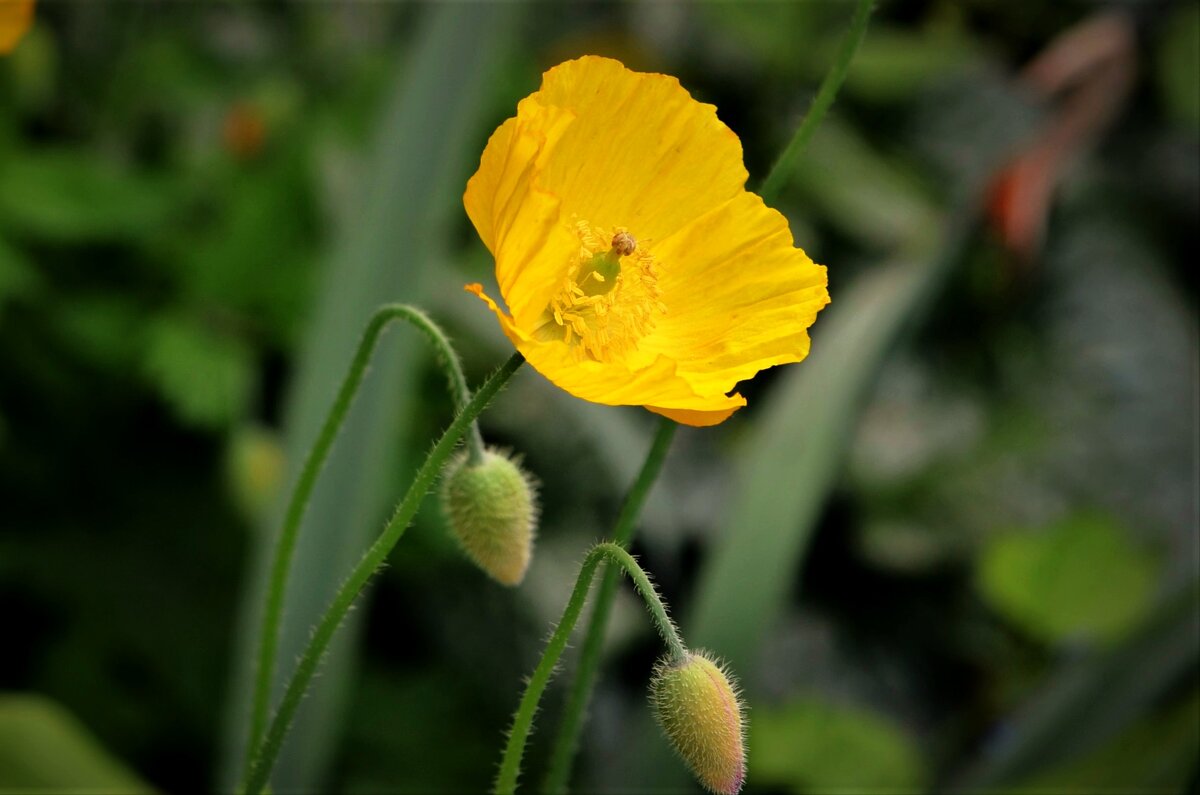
(263, 758)
(566, 742)
(510, 764)
(285, 545)
(781, 171)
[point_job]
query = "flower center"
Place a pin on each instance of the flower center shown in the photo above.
(609, 299)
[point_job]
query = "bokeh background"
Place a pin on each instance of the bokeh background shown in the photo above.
(955, 549)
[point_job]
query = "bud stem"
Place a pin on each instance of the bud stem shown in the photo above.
(261, 756)
(285, 544)
(522, 725)
(567, 740)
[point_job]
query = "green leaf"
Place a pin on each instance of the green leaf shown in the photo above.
(812, 746)
(206, 376)
(70, 195)
(43, 748)
(1083, 578)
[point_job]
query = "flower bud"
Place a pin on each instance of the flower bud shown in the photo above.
(492, 511)
(697, 706)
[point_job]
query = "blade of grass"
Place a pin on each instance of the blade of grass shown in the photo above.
(424, 135)
(792, 455)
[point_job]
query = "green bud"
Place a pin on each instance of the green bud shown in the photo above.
(492, 510)
(697, 705)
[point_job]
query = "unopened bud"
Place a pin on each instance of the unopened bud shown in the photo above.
(492, 512)
(697, 706)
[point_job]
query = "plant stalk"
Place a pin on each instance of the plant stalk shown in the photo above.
(264, 755)
(784, 165)
(522, 725)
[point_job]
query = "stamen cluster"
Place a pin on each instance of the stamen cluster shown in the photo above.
(610, 297)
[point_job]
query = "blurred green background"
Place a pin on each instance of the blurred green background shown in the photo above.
(956, 549)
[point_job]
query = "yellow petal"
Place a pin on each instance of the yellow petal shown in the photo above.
(640, 152)
(519, 223)
(739, 295)
(16, 16)
(614, 383)
(697, 419)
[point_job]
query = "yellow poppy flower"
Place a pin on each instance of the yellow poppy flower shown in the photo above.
(636, 267)
(15, 18)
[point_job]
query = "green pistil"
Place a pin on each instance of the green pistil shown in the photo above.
(606, 267)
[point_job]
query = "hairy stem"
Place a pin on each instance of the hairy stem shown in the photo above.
(285, 544)
(264, 754)
(522, 725)
(566, 742)
(781, 171)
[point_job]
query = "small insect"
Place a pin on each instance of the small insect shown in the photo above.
(624, 243)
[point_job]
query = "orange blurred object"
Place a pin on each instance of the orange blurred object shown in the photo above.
(1085, 74)
(16, 16)
(244, 131)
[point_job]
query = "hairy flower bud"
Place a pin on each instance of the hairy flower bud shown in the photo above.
(696, 703)
(492, 511)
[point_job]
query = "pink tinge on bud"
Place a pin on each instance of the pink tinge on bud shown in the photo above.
(697, 705)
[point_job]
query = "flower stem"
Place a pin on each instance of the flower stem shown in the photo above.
(264, 754)
(285, 544)
(781, 171)
(566, 742)
(510, 764)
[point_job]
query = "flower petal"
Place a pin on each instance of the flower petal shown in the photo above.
(601, 147)
(16, 17)
(697, 419)
(612, 383)
(640, 152)
(517, 222)
(740, 297)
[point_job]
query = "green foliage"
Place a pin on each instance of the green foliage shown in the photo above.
(810, 745)
(17, 275)
(1080, 579)
(43, 748)
(69, 195)
(1178, 62)
(207, 376)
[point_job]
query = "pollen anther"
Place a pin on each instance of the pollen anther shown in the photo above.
(603, 315)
